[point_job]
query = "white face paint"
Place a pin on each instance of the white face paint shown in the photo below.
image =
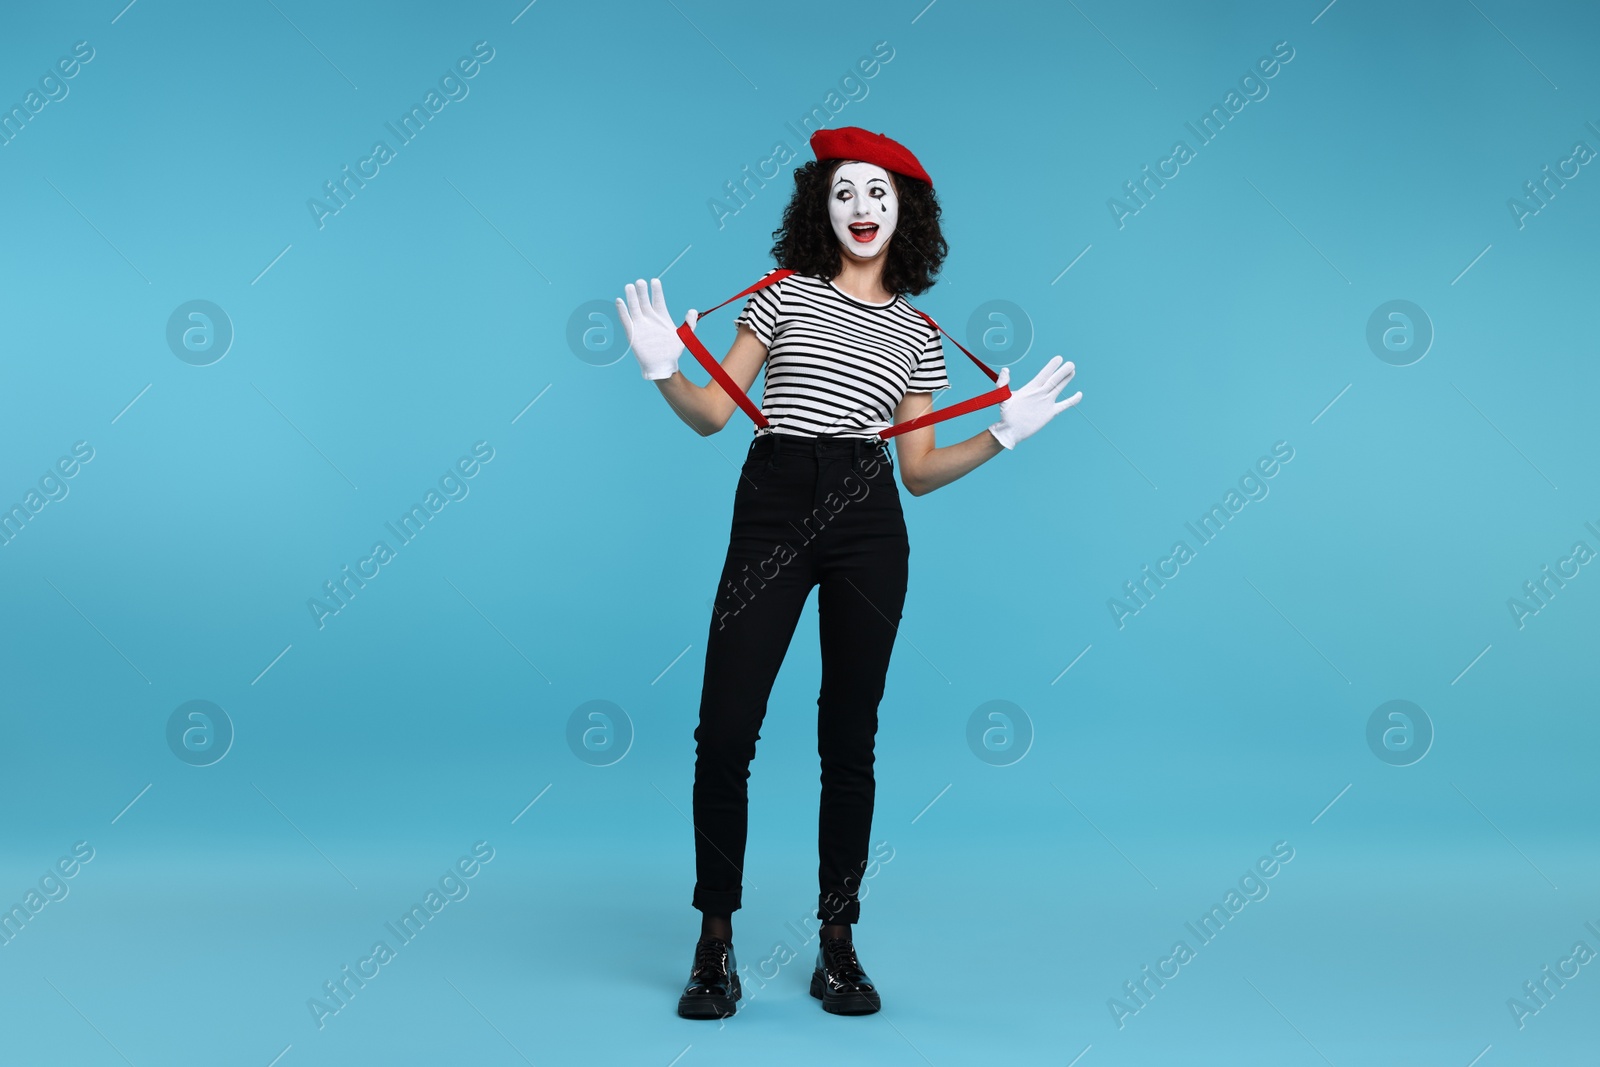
(863, 208)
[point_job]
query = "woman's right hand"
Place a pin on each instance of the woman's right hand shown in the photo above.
(651, 331)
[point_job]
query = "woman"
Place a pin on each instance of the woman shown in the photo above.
(816, 505)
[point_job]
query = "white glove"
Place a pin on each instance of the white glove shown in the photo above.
(1026, 410)
(652, 333)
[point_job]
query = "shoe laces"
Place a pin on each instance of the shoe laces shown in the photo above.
(841, 954)
(708, 954)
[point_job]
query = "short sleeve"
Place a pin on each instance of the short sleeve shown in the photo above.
(930, 373)
(760, 312)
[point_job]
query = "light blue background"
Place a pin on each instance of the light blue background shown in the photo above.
(433, 309)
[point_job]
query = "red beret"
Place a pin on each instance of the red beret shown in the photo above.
(852, 142)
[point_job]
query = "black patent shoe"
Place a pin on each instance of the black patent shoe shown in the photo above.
(839, 982)
(713, 987)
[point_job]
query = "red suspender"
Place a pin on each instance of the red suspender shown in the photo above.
(982, 400)
(709, 362)
(729, 386)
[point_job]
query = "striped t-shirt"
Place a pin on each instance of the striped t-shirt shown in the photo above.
(835, 364)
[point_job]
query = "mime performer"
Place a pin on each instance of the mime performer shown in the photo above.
(817, 505)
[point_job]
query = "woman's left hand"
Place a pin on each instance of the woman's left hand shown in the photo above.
(1026, 410)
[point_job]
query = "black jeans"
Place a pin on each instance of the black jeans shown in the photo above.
(808, 511)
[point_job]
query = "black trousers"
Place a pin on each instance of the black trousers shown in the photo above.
(808, 511)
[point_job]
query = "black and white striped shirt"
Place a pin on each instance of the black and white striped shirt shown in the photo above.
(835, 364)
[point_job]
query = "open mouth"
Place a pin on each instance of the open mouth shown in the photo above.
(863, 232)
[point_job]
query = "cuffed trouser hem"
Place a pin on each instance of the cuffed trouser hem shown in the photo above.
(710, 902)
(834, 910)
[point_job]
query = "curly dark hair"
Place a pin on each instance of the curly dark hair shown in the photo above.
(805, 242)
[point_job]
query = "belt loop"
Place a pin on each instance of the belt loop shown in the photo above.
(877, 449)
